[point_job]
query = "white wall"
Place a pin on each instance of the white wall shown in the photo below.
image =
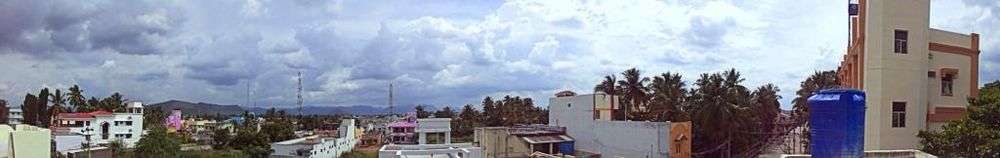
(608, 138)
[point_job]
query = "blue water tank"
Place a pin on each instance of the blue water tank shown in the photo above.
(836, 123)
(566, 148)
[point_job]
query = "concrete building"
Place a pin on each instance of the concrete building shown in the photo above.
(25, 141)
(523, 141)
(915, 77)
(587, 119)
(433, 137)
(102, 127)
(319, 145)
(15, 116)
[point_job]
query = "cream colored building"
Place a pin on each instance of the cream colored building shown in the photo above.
(25, 141)
(915, 77)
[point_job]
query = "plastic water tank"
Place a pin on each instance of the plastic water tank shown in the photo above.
(837, 122)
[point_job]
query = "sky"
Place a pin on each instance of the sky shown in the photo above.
(435, 52)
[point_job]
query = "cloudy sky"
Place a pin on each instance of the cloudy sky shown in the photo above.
(436, 52)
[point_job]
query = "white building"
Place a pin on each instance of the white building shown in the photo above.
(15, 116)
(596, 133)
(319, 146)
(102, 127)
(433, 140)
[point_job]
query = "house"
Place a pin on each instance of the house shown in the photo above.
(523, 141)
(915, 77)
(320, 145)
(25, 141)
(102, 127)
(15, 116)
(432, 137)
(590, 120)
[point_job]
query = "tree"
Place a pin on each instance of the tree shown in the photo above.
(153, 117)
(277, 127)
(4, 111)
(468, 119)
(634, 91)
(491, 111)
(221, 138)
(115, 102)
(77, 100)
(30, 109)
(976, 134)
(445, 112)
(817, 81)
(43, 117)
(158, 143)
(92, 105)
(668, 96)
(718, 109)
(58, 101)
(421, 112)
(116, 147)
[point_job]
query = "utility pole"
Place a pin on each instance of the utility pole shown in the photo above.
(299, 94)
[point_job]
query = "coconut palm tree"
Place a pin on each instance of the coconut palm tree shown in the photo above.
(634, 91)
(667, 98)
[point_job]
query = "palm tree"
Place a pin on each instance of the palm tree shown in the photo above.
(634, 90)
(667, 97)
(58, 101)
(76, 98)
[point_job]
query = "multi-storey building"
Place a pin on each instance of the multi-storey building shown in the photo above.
(102, 127)
(915, 77)
(15, 116)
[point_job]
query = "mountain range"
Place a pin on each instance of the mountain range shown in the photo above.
(200, 108)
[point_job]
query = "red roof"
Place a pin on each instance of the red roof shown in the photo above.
(84, 115)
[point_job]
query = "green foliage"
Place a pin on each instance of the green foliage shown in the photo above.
(445, 112)
(213, 154)
(725, 113)
(153, 117)
(277, 126)
(77, 100)
(221, 138)
(817, 81)
(977, 134)
(468, 119)
(668, 95)
(158, 143)
(421, 111)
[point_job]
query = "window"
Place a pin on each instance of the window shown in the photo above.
(946, 84)
(931, 74)
(899, 44)
(898, 114)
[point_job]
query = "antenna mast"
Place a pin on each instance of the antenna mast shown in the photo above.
(299, 94)
(391, 112)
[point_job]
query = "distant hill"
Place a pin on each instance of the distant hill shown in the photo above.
(332, 110)
(200, 108)
(189, 108)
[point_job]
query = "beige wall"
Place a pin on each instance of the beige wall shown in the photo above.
(893, 77)
(496, 142)
(960, 92)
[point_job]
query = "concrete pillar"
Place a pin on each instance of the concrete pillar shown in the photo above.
(447, 137)
(422, 138)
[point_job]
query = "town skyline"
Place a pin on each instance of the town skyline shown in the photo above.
(450, 53)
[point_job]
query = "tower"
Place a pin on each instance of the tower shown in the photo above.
(391, 112)
(299, 92)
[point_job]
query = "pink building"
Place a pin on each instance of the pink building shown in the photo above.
(175, 122)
